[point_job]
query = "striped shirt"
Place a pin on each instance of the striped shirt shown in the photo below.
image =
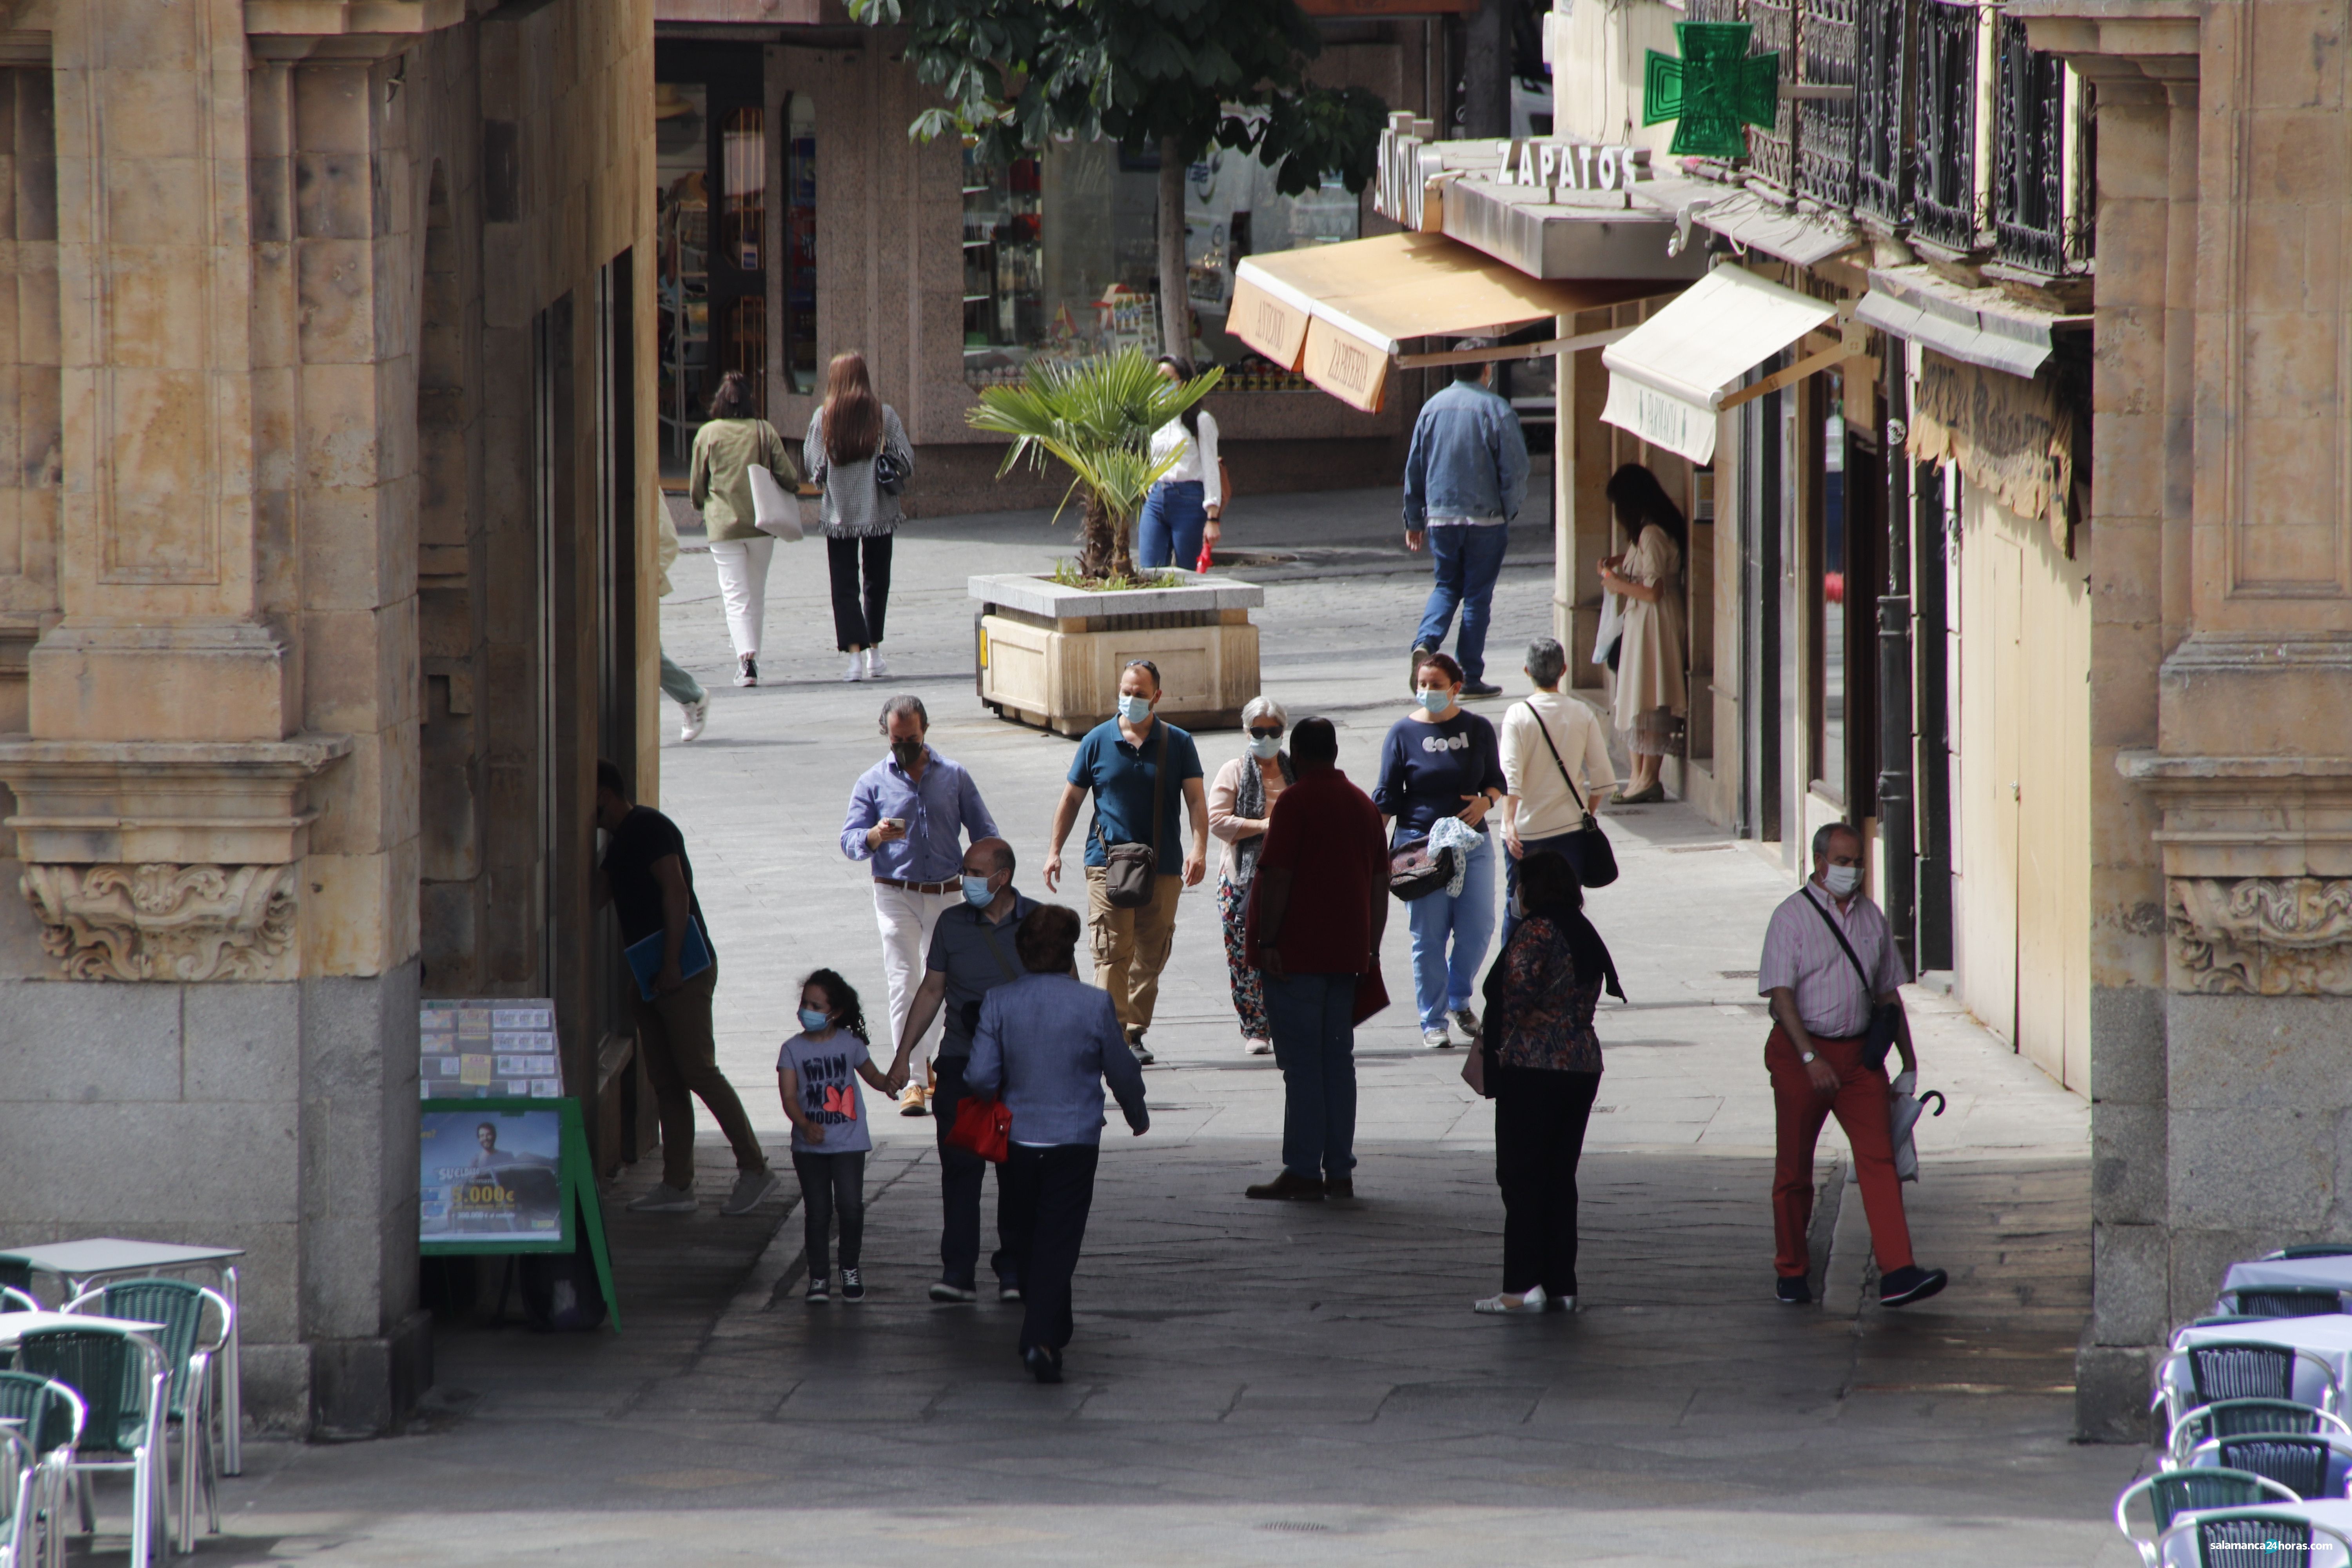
(1800, 953)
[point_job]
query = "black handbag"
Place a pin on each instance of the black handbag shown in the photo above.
(1886, 1018)
(1415, 873)
(889, 473)
(1594, 858)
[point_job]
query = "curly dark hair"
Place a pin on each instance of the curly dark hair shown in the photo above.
(840, 1000)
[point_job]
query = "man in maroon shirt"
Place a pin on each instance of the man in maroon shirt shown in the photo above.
(1317, 906)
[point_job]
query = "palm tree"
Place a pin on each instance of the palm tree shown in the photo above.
(1097, 416)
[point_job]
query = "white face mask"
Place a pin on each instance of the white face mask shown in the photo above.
(1842, 880)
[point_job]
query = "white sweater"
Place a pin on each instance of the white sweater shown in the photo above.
(1194, 459)
(1546, 809)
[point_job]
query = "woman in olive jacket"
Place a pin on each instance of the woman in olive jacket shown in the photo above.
(720, 487)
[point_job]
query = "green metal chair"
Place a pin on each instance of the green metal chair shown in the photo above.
(2282, 1301)
(2318, 1249)
(2232, 1538)
(121, 1380)
(2248, 1417)
(19, 1505)
(2303, 1464)
(191, 1404)
(2171, 1493)
(2238, 1369)
(52, 1415)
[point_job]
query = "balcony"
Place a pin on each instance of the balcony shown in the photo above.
(1881, 99)
(1944, 196)
(2042, 135)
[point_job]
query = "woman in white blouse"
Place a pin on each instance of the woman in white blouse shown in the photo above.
(1180, 513)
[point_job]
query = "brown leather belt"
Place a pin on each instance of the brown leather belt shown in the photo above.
(919, 887)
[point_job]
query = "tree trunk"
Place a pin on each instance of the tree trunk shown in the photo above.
(1175, 299)
(1486, 70)
(1096, 539)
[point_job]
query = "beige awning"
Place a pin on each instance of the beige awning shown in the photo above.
(1674, 374)
(1341, 313)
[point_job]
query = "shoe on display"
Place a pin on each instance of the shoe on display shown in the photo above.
(664, 1199)
(875, 668)
(852, 1289)
(943, 1290)
(748, 670)
(817, 1290)
(697, 714)
(1288, 1187)
(751, 1188)
(1436, 1040)
(856, 668)
(1792, 1290)
(1259, 1048)
(1466, 1021)
(1504, 1301)
(1910, 1283)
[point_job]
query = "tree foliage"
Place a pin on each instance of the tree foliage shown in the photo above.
(1197, 73)
(1096, 416)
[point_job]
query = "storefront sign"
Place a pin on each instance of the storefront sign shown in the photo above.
(2006, 432)
(1349, 369)
(508, 1174)
(1573, 165)
(1274, 326)
(1683, 427)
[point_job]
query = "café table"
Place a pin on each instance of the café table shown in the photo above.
(101, 1260)
(2290, 1274)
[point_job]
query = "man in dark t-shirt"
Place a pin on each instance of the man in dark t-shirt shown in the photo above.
(646, 877)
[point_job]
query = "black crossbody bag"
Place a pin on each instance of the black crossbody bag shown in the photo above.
(1596, 860)
(1886, 1018)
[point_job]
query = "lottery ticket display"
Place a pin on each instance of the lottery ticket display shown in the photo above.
(476, 1049)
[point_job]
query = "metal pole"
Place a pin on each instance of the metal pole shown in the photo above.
(1895, 767)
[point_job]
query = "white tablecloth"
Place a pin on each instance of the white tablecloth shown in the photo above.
(2303, 1273)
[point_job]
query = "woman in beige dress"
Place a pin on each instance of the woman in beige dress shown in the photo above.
(1652, 696)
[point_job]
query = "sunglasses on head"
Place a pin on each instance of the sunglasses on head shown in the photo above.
(1258, 734)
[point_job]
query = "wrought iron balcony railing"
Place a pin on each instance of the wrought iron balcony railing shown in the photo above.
(1944, 147)
(1773, 155)
(1827, 50)
(1883, 105)
(2035, 141)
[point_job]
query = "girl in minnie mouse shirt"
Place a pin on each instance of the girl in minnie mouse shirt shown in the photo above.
(816, 1075)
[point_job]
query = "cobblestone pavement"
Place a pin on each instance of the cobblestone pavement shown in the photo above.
(1257, 1382)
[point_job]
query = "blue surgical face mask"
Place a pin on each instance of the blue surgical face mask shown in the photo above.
(815, 1018)
(1266, 746)
(1436, 701)
(976, 891)
(1135, 710)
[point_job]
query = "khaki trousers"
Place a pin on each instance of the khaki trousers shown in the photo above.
(1131, 946)
(682, 1059)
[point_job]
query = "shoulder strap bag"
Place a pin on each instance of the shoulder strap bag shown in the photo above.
(1886, 1018)
(1594, 858)
(1130, 869)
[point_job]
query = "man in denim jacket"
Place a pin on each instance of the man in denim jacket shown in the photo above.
(1465, 480)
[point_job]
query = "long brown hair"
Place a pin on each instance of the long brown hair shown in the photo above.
(852, 415)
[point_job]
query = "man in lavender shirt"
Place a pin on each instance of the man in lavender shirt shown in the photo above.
(1817, 1058)
(910, 815)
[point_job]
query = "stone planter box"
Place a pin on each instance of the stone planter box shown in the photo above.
(1051, 656)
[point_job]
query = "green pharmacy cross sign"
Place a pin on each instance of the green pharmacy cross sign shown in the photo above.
(1715, 89)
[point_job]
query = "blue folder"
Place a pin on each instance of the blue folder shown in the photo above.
(645, 957)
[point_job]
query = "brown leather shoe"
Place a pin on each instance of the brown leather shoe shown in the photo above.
(1289, 1185)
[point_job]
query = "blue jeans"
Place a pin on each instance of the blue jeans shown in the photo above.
(1563, 845)
(1169, 533)
(1465, 562)
(1441, 981)
(1315, 1046)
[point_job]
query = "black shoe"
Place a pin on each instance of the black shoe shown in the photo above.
(1043, 1364)
(948, 1290)
(1291, 1185)
(1480, 688)
(1008, 1291)
(852, 1289)
(1792, 1290)
(1910, 1283)
(1143, 1057)
(1340, 1187)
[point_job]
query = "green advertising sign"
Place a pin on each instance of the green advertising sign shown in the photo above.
(1715, 89)
(508, 1173)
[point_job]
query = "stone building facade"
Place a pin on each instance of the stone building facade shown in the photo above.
(319, 595)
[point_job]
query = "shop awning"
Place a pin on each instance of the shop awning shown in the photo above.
(1674, 374)
(1341, 314)
(1975, 326)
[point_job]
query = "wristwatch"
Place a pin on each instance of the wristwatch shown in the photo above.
(1804, 1055)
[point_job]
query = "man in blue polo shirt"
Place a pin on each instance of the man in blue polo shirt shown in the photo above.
(1119, 763)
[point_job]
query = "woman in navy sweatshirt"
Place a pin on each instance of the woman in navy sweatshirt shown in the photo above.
(1441, 760)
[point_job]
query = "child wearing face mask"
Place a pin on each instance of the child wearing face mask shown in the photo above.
(817, 1076)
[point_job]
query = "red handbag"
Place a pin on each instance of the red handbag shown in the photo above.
(984, 1127)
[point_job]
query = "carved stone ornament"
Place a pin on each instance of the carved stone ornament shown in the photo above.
(165, 922)
(2267, 936)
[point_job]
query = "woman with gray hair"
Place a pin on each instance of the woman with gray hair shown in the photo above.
(1240, 803)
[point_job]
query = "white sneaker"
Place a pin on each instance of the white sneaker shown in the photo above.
(697, 714)
(875, 668)
(856, 667)
(750, 1188)
(747, 670)
(1260, 1048)
(1436, 1040)
(1504, 1301)
(664, 1200)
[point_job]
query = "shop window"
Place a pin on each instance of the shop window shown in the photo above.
(1061, 256)
(681, 172)
(800, 242)
(743, 161)
(747, 346)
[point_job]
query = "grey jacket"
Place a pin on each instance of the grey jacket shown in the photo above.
(855, 506)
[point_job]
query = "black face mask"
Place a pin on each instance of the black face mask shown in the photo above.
(908, 753)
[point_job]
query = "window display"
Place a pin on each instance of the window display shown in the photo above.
(681, 159)
(1061, 256)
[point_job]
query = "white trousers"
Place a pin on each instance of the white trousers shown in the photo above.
(743, 583)
(906, 918)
